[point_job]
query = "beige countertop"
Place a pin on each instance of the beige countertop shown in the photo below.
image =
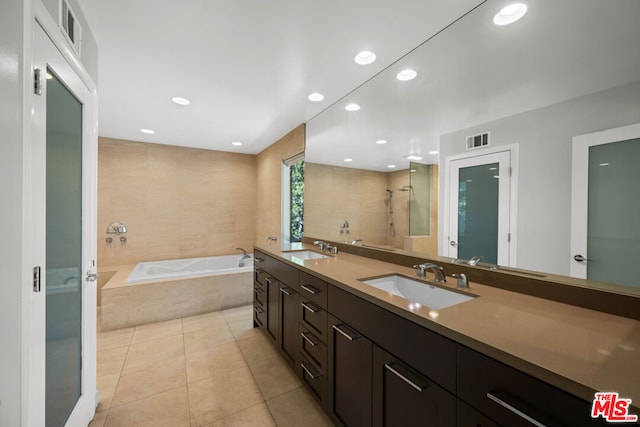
(578, 350)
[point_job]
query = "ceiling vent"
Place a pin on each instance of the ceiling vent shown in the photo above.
(70, 26)
(478, 141)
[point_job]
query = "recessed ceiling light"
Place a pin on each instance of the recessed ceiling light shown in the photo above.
(391, 166)
(316, 97)
(381, 141)
(236, 143)
(406, 75)
(510, 14)
(413, 157)
(352, 107)
(348, 160)
(433, 152)
(365, 57)
(180, 100)
(148, 131)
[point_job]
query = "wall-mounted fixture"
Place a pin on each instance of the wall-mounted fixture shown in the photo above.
(116, 228)
(344, 227)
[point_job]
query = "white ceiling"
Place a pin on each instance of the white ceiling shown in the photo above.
(246, 66)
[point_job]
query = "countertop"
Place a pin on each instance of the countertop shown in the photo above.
(575, 349)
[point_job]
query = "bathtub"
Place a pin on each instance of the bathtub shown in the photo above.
(191, 267)
(162, 290)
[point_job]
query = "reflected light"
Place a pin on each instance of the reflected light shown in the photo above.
(434, 314)
(352, 107)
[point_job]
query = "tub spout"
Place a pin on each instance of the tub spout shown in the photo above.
(244, 256)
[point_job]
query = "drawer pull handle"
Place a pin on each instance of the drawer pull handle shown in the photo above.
(287, 291)
(258, 290)
(258, 270)
(515, 410)
(313, 342)
(347, 333)
(313, 375)
(311, 289)
(404, 376)
(309, 307)
(259, 259)
(258, 310)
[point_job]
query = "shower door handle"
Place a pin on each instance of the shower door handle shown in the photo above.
(453, 243)
(91, 276)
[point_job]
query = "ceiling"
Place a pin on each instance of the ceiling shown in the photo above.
(247, 67)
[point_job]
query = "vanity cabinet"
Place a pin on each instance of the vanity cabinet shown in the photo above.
(288, 323)
(405, 397)
(349, 375)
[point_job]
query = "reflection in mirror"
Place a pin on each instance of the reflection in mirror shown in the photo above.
(565, 69)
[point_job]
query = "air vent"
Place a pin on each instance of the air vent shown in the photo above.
(70, 26)
(477, 141)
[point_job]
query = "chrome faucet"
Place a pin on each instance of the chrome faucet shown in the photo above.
(356, 241)
(474, 260)
(321, 245)
(438, 271)
(245, 255)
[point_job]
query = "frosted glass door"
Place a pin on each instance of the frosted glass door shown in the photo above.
(478, 212)
(613, 224)
(63, 252)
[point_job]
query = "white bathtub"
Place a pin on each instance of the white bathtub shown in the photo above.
(191, 267)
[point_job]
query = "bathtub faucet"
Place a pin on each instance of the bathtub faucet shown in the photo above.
(245, 255)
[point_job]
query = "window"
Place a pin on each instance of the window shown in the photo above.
(293, 198)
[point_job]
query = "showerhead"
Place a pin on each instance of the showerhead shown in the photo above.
(389, 191)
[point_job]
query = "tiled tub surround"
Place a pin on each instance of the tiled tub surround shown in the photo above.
(575, 349)
(125, 305)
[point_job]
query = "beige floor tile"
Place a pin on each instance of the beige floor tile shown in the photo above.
(242, 331)
(203, 321)
(114, 339)
(147, 380)
(256, 416)
(297, 408)
(202, 339)
(274, 377)
(219, 397)
(154, 350)
(157, 330)
(106, 385)
(100, 418)
(245, 313)
(168, 409)
(257, 349)
(111, 360)
(215, 361)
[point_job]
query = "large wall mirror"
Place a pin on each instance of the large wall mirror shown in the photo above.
(548, 92)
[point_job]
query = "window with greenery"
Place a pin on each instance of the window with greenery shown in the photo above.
(297, 200)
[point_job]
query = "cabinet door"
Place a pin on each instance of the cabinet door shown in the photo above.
(469, 417)
(349, 375)
(404, 397)
(273, 300)
(288, 323)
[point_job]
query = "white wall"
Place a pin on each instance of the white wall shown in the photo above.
(544, 178)
(11, 84)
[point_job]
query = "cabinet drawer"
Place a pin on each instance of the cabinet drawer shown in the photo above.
(511, 397)
(259, 294)
(259, 315)
(314, 318)
(314, 289)
(312, 348)
(259, 276)
(315, 380)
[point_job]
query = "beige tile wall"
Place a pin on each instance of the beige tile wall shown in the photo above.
(334, 194)
(176, 202)
(269, 183)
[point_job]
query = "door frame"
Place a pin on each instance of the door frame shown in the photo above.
(55, 50)
(580, 188)
(513, 196)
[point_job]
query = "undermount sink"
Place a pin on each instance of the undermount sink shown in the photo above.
(418, 291)
(306, 254)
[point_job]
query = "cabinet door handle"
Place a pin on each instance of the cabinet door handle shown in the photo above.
(515, 410)
(311, 289)
(313, 375)
(404, 374)
(346, 332)
(286, 290)
(270, 280)
(310, 307)
(313, 342)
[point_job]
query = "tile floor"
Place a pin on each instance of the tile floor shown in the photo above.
(209, 370)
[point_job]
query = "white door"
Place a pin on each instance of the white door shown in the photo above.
(62, 342)
(605, 206)
(479, 196)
